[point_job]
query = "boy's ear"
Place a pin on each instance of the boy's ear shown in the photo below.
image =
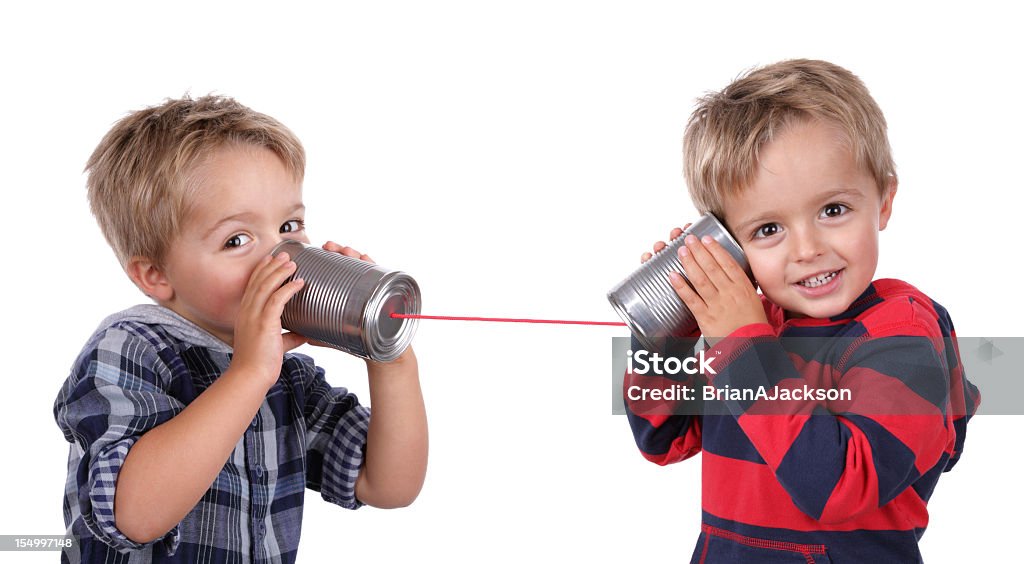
(149, 278)
(886, 210)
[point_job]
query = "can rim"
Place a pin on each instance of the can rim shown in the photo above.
(288, 243)
(393, 283)
(635, 329)
(727, 233)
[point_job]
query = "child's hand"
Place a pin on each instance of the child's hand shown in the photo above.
(672, 236)
(724, 299)
(258, 342)
(347, 251)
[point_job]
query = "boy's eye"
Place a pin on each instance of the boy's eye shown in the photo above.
(766, 230)
(293, 225)
(834, 210)
(237, 241)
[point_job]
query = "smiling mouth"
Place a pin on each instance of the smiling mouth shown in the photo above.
(819, 280)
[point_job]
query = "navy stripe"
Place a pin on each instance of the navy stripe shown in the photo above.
(821, 445)
(842, 546)
(867, 300)
(724, 437)
(894, 462)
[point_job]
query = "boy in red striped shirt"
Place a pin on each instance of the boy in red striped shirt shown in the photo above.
(794, 157)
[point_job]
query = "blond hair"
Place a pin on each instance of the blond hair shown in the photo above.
(727, 130)
(142, 174)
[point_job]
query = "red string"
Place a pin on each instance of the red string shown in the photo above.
(504, 319)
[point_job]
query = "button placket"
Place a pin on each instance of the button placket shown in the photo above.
(257, 485)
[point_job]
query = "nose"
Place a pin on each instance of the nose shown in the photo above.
(807, 244)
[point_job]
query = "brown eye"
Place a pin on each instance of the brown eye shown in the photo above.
(237, 241)
(834, 210)
(292, 226)
(766, 230)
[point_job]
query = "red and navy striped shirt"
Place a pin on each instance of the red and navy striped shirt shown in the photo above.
(842, 479)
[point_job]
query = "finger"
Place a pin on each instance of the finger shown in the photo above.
(333, 247)
(277, 300)
(342, 249)
(708, 263)
(695, 272)
(692, 299)
(259, 268)
(659, 246)
(675, 233)
(282, 265)
(255, 278)
(292, 340)
(645, 257)
(272, 278)
(725, 260)
(349, 252)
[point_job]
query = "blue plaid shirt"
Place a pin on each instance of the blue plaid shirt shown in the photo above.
(141, 369)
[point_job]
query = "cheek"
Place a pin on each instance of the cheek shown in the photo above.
(766, 268)
(227, 287)
(237, 280)
(861, 248)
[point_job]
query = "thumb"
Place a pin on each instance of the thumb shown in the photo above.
(292, 340)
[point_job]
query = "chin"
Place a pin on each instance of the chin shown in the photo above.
(823, 311)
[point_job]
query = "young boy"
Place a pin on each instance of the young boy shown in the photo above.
(794, 157)
(193, 434)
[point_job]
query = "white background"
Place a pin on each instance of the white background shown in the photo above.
(516, 159)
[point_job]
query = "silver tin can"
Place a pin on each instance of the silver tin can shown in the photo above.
(646, 301)
(347, 303)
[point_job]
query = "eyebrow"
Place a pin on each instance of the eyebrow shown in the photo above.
(245, 215)
(841, 192)
(742, 227)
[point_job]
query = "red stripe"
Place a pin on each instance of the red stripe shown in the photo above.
(748, 492)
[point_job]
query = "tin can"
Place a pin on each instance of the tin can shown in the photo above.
(347, 303)
(646, 300)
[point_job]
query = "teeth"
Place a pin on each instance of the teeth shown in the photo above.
(818, 280)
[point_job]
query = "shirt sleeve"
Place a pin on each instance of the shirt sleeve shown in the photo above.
(839, 458)
(669, 430)
(666, 431)
(336, 427)
(112, 398)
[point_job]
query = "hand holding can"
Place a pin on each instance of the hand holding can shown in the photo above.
(646, 300)
(347, 303)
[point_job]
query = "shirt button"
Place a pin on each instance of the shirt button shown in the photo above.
(259, 471)
(255, 422)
